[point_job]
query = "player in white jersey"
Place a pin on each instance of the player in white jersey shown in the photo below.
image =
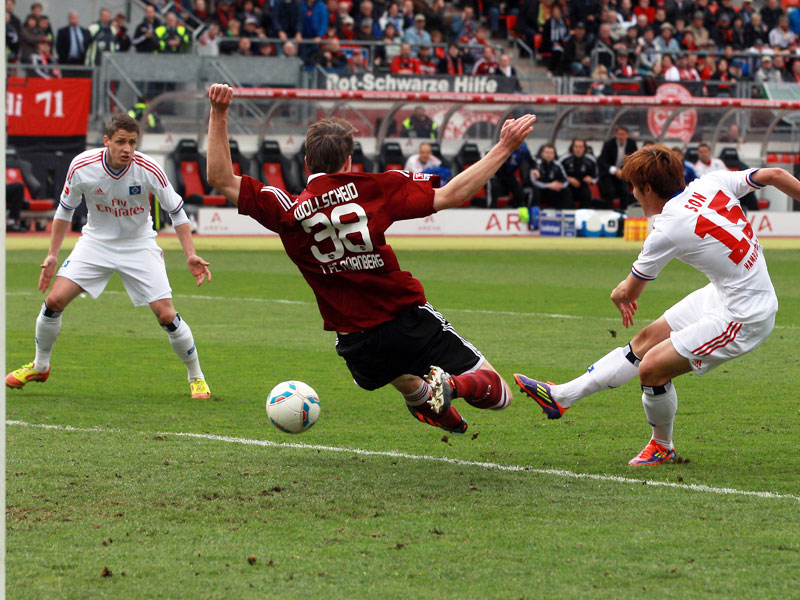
(115, 182)
(703, 226)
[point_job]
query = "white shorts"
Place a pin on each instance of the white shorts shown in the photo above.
(142, 270)
(705, 333)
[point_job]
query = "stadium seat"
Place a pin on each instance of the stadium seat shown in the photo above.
(691, 154)
(241, 164)
(466, 156)
(391, 157)
(190, 175)
(763, 204)
(436, 150)
(361, 164)
(276, 168)
(730, 156)
(21, 171)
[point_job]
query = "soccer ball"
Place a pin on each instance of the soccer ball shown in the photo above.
(293, 406)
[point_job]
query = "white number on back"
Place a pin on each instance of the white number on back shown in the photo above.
(342, 234)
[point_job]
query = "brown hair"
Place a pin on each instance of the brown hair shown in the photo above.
(657, 166)
(121, 121)
(328, 144)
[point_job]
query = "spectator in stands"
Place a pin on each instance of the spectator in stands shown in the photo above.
(330, 56)
(685, 71)
(172, 36)
(144, 37)
(37, 10)
(601, 82)
(755, 31)
(488, 64)
(404, 63)
(630, 41)
(286, 17)
(687, 42)
(722, 33)
(669, 71)
(781, 36)
(528, 25)
(576, 59)
(366, 10)
(732, 135)
(426, 63)
(581, 170)
(724, 87)
(209, 40)
(509, 177)
(419, 125)
(625, 14)
(624, 70)
(391, 45)
(555, 34)
(549, 180)
(245, 47)
(604, 47)
(794, 72)
(771, 13)
(313, 23)
(365, 31)
(665, 42)
(612, 156)
(30, 35)
(407, 13)
(464, 26)
(12, 19)
(357, 63)
(423, 160)
(689, 174)
(225, 13)
(392, 15)
(698, 30)
(12, 39)
(452, 63)
(417, 35)
(705, 162)
(438, 38)
(122, 41)
(289, 49)
(435, 15)
(41, 61)
(643, 8)
(506, 69)
(72, 43)
(103, 34)
(766, 73)
(348, 29)
(794, 20)
(738, 33)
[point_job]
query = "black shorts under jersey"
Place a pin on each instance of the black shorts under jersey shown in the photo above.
(407, 345)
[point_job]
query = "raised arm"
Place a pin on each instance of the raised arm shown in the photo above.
(467, 183)
(779, 178)
(218, 165)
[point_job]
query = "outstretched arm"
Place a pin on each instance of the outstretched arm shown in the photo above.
(625, 297)
(467, 183)
(219, 168)
(779, 178)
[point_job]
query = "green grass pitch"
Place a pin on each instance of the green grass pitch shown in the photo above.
(107, 500)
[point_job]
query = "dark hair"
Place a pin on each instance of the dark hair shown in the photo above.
(657, 166)
(623, 127)
(328, 144)
(121, 121)
(572, 145)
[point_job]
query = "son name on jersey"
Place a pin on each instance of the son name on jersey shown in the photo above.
(339, 195)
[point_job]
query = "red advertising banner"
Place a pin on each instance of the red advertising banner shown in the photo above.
(47, 107)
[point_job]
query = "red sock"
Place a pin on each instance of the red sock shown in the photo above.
(482, 389)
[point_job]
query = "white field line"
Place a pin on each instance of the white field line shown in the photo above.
(508, 313)
(440, 459)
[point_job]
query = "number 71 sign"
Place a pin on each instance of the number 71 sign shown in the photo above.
(48, 107)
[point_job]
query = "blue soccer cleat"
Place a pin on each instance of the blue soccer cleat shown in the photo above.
(653, 454)
(540, 392)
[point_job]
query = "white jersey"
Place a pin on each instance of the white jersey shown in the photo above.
(715, 164)
(704, 226)
(118, 202)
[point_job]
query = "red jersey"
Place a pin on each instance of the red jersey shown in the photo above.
(334, 232)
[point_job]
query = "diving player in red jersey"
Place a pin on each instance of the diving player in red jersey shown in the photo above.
(334, 233)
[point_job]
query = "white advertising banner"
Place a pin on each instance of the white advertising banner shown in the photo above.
(466, 222)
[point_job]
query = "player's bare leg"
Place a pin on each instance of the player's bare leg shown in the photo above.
(660, 401)
(182, 341)
(613, 370)
(48, 327)
(418, 394)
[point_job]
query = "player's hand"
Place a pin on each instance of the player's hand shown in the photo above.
(515, 131)
(221, 96)
(48, 270)
(627, 310)
(199, 268)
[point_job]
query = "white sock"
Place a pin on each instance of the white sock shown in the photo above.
(616, 368)
(420, 396)
(47, 330)
(180, 336)
(660, 405)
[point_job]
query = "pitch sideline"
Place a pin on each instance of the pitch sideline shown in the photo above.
(440, 459)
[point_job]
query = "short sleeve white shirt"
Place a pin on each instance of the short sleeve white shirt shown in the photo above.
(118, 202)
(704, 227)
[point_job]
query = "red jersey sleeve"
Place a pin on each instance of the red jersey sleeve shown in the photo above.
(408, 195)
(264, 203)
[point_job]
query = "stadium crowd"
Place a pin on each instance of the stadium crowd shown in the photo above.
(641, 41)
